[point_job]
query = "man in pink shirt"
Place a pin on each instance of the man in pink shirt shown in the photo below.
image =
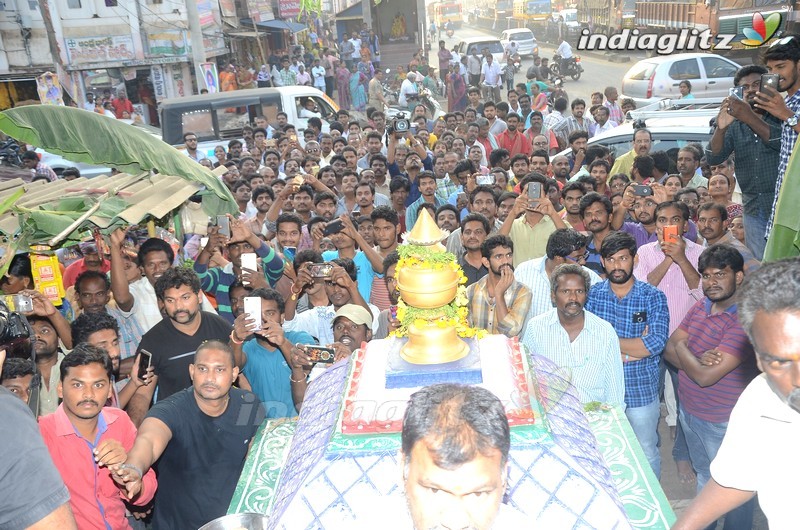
(84, 438)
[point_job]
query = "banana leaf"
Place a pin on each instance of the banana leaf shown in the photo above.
(784, 238)
(88, 137)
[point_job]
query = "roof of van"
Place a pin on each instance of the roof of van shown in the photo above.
(472, 40)
(251, 92)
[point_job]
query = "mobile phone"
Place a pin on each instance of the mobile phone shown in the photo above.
(737, 92)
(670, 233)
(534, 190)
(252, 306)
(249, 261)
(640, 317)
(485, 180)
(642, 191)
(289, 253)
(771, 81)
(224, 225)
(18, 302)
(334, 227)
(145, 361)
(319, 354)
(321, 270)
(203, 242)
(292, 137)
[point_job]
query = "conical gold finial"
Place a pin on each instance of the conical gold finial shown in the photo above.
(425, 232)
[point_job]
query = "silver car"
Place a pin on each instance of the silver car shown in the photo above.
(652, 79)
(526, 42)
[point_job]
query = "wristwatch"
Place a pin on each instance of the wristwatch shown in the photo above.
(792, 122)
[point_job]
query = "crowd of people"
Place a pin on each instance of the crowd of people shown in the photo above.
(618, 270)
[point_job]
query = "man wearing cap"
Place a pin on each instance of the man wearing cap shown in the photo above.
(91, 261)
(352, 327)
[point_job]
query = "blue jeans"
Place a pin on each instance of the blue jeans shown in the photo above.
(754, 229)
(704, 439)
(644, 421)
(679, 449)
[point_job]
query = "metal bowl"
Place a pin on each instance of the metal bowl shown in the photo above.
(238, 521)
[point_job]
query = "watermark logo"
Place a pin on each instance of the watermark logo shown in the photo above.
(685, 40)
(762, 30)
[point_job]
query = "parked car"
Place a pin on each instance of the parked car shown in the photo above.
(526, 42)
(652, 79)
(495, 47)
(219, 118)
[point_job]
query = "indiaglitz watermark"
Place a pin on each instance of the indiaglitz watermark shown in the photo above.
(686, 40)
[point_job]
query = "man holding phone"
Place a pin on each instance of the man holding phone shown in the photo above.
(783, 60)
(754, 136)
(538, 220)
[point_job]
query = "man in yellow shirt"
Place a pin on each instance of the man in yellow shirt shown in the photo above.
(642, 142)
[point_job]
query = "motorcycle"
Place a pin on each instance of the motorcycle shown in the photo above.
(573, 67)
(9, 154)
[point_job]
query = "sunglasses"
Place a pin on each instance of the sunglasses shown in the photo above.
(781, 42)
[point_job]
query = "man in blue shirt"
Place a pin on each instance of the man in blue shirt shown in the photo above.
(638, 311)
(267, 354)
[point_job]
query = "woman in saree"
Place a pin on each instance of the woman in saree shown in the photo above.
(343, 85)
(245, 78)
(358, 95)
(365, 67)
(538, 99)
(456, 90)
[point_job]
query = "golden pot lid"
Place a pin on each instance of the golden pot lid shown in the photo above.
(425, 232)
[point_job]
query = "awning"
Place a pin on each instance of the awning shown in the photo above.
(245, 34)
(283, 25)
(353, 12)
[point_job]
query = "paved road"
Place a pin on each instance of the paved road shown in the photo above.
(598, 73)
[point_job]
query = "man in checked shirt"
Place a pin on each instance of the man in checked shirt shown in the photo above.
(638, 311)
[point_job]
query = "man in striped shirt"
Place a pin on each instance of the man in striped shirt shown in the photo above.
(584, 345)
(716, 363)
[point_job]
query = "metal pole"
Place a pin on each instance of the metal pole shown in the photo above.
(196, 34)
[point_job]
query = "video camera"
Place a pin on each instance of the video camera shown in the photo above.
(399, 124)
(16, 337)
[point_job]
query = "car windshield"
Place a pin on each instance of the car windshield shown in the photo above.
(641, 71)
(493, 46)
(521, 36)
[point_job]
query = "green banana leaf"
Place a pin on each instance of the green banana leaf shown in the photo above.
(784, 238)
(91, 138)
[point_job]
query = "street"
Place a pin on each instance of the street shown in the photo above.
(598, 73)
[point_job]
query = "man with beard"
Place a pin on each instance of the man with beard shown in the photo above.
(486, 138)
(712, 223)
(474, 230)
(540, 162)
(88, 440)
(644, 212)
(174, 340)
(374, 147)
(399, 188)
(365, 199)
(91, 261)
(209, 422)
(688, 162)
(604, 123)
(571, 196)
(242, 193)
(267, 354)
(564, 246)
(640, 316)
(426, 184)
(574, 122)
(749, 461)
(325, 209)
(595, 211)
(326, 149)
(262, 199)
(217, 280)
(715, 364)
(447, 218)
(642, 142)
(497, 302)
(577, 340)
(377, 163)
(754, 136)
(341, 288)
(536, 127)
(560, 167)
(483, 200)
(513, 140)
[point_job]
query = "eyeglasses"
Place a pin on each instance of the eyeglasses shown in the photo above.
(579, 259)
(781, 42)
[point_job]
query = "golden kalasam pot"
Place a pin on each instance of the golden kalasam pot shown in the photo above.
(427, 288)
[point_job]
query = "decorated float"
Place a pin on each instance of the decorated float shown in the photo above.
(329, 468)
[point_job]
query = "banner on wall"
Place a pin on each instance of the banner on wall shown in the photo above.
(288, 8)
(159, 82)
(49, 89)
(208, 71)
(170, 43)
(86, 50)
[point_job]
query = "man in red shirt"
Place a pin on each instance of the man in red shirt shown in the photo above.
(84, 438)
(122, 105)
(91, 261)
(513, 140)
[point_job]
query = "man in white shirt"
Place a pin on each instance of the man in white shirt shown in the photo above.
(89, 105)
(318, 74)
(409, 86)
(356, 42)
(602, 123)
(757, 455)
(585, 346)
(491, 81)
(565, 51)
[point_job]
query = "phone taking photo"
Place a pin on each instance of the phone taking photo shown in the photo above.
(224, 225)
(534, 190)
(145, 361)
(771, 81)
(737, 92)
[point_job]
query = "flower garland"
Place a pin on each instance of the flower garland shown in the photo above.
(453, 314)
